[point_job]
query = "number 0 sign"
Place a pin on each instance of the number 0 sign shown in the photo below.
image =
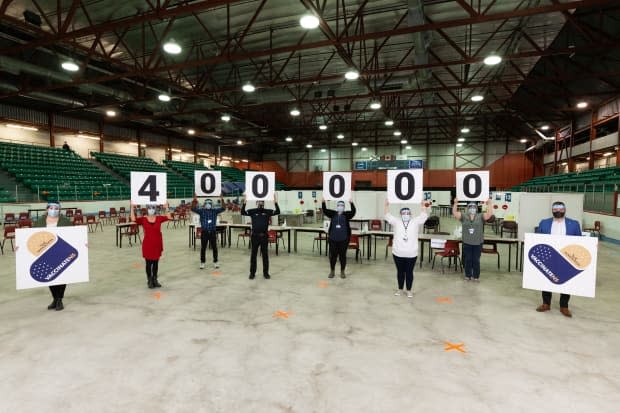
(148, 188)
(336, 186)
(208, 183)
(405, 186)
(472, 185)
(260, 186)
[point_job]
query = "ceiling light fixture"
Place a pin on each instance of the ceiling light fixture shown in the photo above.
(523, 140)
(172, 47)
(458, 145)
(389, 122)
(191, 131)
(352, 75)
(309, 21)
(110, 113)
(93, 138)
(239, 142)
(15, 126)
(582, 105)
(375, 105)
(164, 97)
(492, 60)
(248, 88)
(323, 127)
(403, 142)
(544, 127)
(225, 118)
(295, 112)
(289, 139)
(354, 144)
(608, 154)
(364, 149)
(465, 130)
(408, 147)
(461, 139)
(323, 150)
(477, 98)
(70, 66)
(397, 133)
(309, 146)
(340, 136)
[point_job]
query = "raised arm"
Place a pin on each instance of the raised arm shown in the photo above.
(167, 209)
(489, 212)
(351, 213)
(455, 209)
(329, 213)
(132, 214)
(243, 206)
(194, 206)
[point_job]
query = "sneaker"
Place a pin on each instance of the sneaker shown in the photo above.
(331, 274)
(343, 275)
(217, 265)
(251, 277)
(476, 279)
(202, 265)
(467, 278)
(398, 293)
(409, 294)
(267, 276)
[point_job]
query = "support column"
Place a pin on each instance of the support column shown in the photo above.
(50, 127)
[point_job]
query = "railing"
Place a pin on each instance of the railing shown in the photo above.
(598, 197)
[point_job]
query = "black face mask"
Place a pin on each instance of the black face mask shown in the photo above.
(261, 206)
(558, 214)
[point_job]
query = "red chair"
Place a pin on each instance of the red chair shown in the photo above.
(93, 223)
(78, 220)
(389, 245)
(596, 228)
(273, 237)
(113, 215)
(9, 234)
(354, 244)
(490, 247)
(376, 225)
(131, 231)
(9, 218)
(122, 212)
(24, 215)
(69, 213)
(24, 223)
(509, 227)
(450, 250)
(197, 236)
(102, 217)
(122, 220)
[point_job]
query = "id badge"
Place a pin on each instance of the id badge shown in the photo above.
(337, 226)
(471, 231)
(209, 221)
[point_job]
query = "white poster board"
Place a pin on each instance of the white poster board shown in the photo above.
(260, 186)
(560, 263)
(208, 183)
(149, 188)
(51, 256)
(337, 186)
(472, 185)
(404, 186)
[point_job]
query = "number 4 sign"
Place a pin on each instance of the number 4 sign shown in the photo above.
(148, 188)
(472, 185)
(404, 186)
(208, 183)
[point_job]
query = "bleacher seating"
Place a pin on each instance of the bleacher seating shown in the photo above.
(594, 180)
(185, 168)
(6, 196)
(178, 186)
(58, 173)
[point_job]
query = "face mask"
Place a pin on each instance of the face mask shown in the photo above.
(472, 211)
(558, 214)
(53, 213)
(406, 218)
(150, 211)
(209, 206)
(340, 208)
(261, 206)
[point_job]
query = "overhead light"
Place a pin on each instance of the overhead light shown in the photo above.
(389, 123)
(309, 21)
(477, 98)
(461, 139)
(323, 150)
(492, 60)
(110, 113)
(141, 145)
(244, 160)
(582, 105)
(225, 118)
(408, 147)
(588, 158)
(544, 127)
(172, 47)
(15, 126)
(523, 140)
(608, 153)
(564, 163)
(354, 144)
(206, 155)
(340, 136)
(295, 112)
(364, 149)
(191, 131)
(465, 130)
(248, 87)
(323, 127)
(164, 97)
(375, 105)
(239, 142)
(352, 75)
(458, 145)
(547, 138)
(403, 142)
(93, 138)
(309, 146)
(176, 150)
(70, 66)
(289, 139)
(397, 133)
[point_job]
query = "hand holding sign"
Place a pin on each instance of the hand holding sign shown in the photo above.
(472, 185)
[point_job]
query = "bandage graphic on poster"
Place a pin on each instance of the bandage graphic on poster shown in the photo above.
(50, 256)
(260, 186)
(472, 185)
(148, 188)
(405, 186)
(208, 183)
(560, 263)
(336, 186)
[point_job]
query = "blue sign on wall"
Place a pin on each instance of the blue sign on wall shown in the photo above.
(507, 197)
(416, 164)
(313, 194)
(300, 195)
(361, 165)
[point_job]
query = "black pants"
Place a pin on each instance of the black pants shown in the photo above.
(205, 238)
(471, 256)
(404, 271)
(338, 249)
(546, 296)
(58, 291)
(259, 241)
(151, 268)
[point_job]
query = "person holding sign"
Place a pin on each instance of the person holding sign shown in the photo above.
(153, 242)
(260, 223)
(405, 245)
(339, 234)
(473, 236)
(558, 225)
(208, 221)
(53, 219)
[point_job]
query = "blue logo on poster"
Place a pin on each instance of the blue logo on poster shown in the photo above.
(559, 266)
(55, 256)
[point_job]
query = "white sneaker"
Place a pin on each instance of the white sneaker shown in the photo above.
(398, 292)
(202, 265)
(217, 265)
(409, 294)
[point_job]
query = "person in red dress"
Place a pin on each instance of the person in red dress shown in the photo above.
(153, 242)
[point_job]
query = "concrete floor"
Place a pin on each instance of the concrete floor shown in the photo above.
(218, 342)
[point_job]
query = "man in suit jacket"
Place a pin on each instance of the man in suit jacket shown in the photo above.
(558, 225)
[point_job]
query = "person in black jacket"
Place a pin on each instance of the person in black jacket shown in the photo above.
(339, 235)
(260, 224)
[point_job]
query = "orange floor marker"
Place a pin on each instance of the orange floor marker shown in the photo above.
(453, 346)
(216, 273)
(281, 314)
(157, 295)
(136, 265)
(323, 284)
(444, 300)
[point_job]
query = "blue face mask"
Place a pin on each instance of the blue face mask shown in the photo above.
(473, 211)
(150, 211)
(208, 205)
(53, 212)
(340, 208)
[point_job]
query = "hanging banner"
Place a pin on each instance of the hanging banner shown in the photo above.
(260, 186)
(336, 186)
(404, 186)
(472, 185)
(149, 188)
(208, 183)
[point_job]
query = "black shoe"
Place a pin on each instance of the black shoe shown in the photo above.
(267, 276)
(332, 274)
(150, 282)
(252, 276)
(59, 306)
(156, 283)
(52, 306)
